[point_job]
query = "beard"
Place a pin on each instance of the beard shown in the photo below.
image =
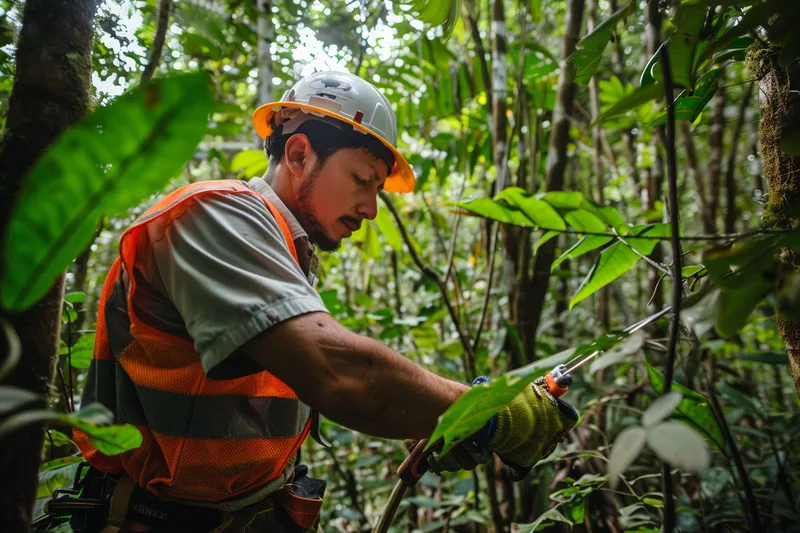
(308, 218)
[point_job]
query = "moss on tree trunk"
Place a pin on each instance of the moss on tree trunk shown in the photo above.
(779, 88)
(51, 92)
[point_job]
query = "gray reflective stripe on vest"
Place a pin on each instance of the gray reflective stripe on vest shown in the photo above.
(228, 416)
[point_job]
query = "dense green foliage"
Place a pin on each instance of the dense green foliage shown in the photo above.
(441, 282)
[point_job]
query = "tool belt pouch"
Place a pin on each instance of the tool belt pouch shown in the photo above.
(302, 498)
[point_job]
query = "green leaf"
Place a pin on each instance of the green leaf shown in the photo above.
(108, 162)
(389, 230)
(475, 407)
(585, 245)
(75, 297)
(58, 463)
(108, 439)
(540, 211)
(12, 398)
(82, 352)
(661, 408)
(249, 163)
(679, 445)
(57, 477)
(590, 48)
(545, 238)
(546, 518)
(619, 352)
(564, 199)
(693, 409)
(690, 104)
(613, 262)
(488, 208)
(443, 13)
(626, 449)
(637, 98)
(584, 220)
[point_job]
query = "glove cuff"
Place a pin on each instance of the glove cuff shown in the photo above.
(485, 435)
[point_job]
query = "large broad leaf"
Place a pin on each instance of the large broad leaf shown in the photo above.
(436, 12)
(112, 160)
(539, 211)
(639, 97)
(661, 408)
(475, 407)
(618, 258)
(625, 450)
(82, 352)
(693, 409)
(488, 208)
(583, 246)
(389, 230)
(679, 445)
(690, 104)
(249, 163)
(93, 419)
(590, 49)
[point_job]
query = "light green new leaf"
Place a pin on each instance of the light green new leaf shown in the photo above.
(564, 199)
(690, 104)
(475, 407)
(82, 352)
(639, 97)
(545, 238)
(436, 12)
(584, 220)
(111, 160)
(590, 49)
(249, 163)
(108, 439)
(693, 408)
(389, 230)
(585, 245)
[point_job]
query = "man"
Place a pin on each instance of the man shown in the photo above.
(212, 339)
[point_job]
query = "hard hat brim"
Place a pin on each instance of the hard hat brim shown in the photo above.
(401, 178)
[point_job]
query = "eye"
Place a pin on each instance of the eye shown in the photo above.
(360, 181)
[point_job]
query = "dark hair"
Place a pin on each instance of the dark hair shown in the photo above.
(327, 139)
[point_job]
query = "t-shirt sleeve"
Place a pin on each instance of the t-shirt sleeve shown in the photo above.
(226, 267)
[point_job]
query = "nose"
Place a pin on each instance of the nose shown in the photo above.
(369, 208)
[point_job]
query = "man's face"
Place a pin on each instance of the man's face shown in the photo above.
(338, 195)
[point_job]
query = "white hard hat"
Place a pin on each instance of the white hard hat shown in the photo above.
(347, 99)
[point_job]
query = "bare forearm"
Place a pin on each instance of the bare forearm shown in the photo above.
(354, 380)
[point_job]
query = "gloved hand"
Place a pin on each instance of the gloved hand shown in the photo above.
(531, 426)
(465, 455)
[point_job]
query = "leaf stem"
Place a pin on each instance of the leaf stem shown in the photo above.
(677, 260)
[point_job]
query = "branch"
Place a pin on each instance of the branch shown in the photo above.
(469, 358)
(677, 260)
(158, 44)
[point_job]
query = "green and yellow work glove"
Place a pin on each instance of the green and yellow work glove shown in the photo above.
(531, 426)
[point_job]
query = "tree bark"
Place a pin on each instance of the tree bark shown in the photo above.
(779, 89)
(51, 92)
(536, 288)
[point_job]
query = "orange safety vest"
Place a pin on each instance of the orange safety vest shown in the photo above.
(203, 439)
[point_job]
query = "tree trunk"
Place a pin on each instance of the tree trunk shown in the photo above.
(779, 88)
(536, 288)
(266, 35)
(51, 92)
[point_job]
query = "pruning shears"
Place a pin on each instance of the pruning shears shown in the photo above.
(558, 380)
(557, 383)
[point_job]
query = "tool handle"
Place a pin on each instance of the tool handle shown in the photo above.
(416, 464)
(553, 387)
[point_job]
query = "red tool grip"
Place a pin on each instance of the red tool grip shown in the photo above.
(416, 464)
(554, 388)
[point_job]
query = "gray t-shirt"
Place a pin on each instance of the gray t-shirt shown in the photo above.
(221, 273)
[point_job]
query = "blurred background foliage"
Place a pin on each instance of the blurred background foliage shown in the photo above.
(480, 89)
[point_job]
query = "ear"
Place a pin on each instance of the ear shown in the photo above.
(299, 156)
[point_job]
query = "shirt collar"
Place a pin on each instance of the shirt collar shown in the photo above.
(263, 188)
